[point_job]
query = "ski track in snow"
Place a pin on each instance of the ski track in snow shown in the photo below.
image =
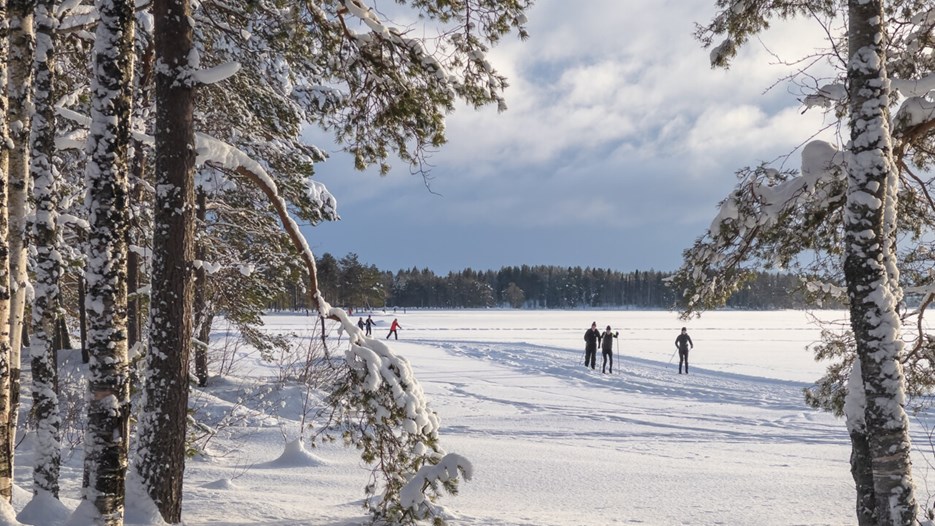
(553, 443)
(781, 415)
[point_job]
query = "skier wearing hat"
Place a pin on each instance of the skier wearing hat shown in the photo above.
(591, 337)
(682, 342)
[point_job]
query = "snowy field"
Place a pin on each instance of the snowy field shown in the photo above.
(553, 442)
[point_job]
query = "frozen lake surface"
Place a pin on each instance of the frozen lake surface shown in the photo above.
(553, 442)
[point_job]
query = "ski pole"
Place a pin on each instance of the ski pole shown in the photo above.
(672, 358)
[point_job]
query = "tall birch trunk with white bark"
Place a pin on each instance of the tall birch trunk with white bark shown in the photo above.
(48, 269)
(871, 289)
(6, 442)
(160, 460)
(108, 433)
(22, 50)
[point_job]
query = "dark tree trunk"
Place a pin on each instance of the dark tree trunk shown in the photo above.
(133, 284)
(202, 319)
(138, 171)
(83, 319)
(161, 462)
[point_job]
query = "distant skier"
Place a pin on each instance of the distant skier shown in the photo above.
(369, 323)
(395, 325)
(591, 337)
(360, 323)
(607, 349)
(682, 342)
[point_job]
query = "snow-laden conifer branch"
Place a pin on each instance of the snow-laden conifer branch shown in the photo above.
(399, 87)
(402, 431)
(78, 17)
(768, 220)
(380, 406)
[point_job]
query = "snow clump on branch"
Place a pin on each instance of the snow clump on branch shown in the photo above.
(380, 408)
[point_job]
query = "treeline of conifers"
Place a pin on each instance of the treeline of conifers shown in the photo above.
(351, 283)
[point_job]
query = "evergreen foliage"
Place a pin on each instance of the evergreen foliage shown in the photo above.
(356, 285)
(852, 220)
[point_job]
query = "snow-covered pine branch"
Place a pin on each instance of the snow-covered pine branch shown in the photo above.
(768, 220)
(452, 466)
(827, 97)
(78, 17)
(380, 407)
(379, 383)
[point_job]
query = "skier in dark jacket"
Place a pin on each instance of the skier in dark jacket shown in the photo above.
(591, 337)
(607, 349)
(682, 342)
(369, 323)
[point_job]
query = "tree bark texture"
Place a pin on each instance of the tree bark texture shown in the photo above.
(48, 262)
(6, 440)
(83, 319)
(202, 325)
(161, 452)
(862, 471)
(22, 49)
(142, 112)
(874, 318)
(106, 303)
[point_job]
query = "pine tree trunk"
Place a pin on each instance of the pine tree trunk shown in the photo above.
(83, 319)
(6, 450)
(109, 140)
(161, 461)
(874, 318)
(22, 49)
(48, 268)
(62, 338)
(133, 284)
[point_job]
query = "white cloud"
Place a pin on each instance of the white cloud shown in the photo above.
(615, 121)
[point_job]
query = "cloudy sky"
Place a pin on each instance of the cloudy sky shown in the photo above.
(618, 143)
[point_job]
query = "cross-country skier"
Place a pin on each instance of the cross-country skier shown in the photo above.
(591, 337)
(395, 325)
(607, 349)
(682, 342)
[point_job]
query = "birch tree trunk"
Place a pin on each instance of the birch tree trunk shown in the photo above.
(6, 443)
(45, 309)
(867, 265)
(161, 457)
(22, 50)
(108, 144)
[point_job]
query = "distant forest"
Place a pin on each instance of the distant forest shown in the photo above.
(350, 283)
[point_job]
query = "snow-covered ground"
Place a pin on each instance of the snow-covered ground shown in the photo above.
(551, 441)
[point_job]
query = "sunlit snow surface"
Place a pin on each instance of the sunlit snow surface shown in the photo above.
(553, 442)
